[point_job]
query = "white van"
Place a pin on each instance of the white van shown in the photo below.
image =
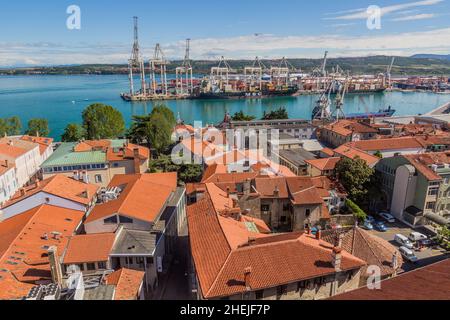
(416, 236)
(408, 254)
(403, 241)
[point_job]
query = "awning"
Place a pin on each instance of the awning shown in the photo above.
(438, 219)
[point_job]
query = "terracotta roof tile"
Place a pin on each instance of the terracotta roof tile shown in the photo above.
(127, 283)
(89, 248)
(352, 153)
(324, 164)
(423, 163)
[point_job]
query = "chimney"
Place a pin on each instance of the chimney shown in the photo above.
(319, 235)
(22, 192)
(6, 163)
(276, 192)
(55, 265)
(76, 176)
(394, 263)
(228, 192)
(137, 161)
(337, 258)
(247, 278)
(251, 241)
(247, 187)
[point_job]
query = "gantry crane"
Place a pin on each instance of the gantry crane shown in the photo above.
(184, 76)
(136, 61)
(159, 65)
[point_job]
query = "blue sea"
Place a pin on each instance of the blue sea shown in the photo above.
(61, 100)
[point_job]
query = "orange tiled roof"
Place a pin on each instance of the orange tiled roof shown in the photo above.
(24, 248)
(352, 153)
(324, 164)
(388, 144)
(213, 170)
(89, 248)
(423, 163)
(11, 150)
(273, 260)
(127, 283)
(44, 142)
(90, 145)
(5, 166)
(329, 152)
(143, 196)
(348, 127)
(61, 186)
(127, 152)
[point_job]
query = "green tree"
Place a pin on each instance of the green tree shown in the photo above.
(14, 126)
(355, 176)
(103, 122)
(38, 127)
(280, 114)
(240, 116)
(187, 173)
(378, 154)
(357, 211)
(73, 133)
(154, 129)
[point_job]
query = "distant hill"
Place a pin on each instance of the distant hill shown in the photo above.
(404, 66)
(432, 56)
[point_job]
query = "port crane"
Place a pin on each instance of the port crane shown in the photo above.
(253, 74)
(322, 111)
(158, 64)
(388, 73)
(282, 72)
(136, 62)
(220, 75)
(184, 76)
(339, 101)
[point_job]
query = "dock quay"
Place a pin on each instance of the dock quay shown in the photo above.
(445, 109)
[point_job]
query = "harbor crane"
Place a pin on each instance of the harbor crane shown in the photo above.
(282, 73)
(339, 101)
(220, 75)
(184, 76)
(159, 65)
(254, 74)
(322, 111)
(136, 62)
(388, 73)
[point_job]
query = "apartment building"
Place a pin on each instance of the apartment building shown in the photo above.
(345, 131)
(98, 161)
(8, 181)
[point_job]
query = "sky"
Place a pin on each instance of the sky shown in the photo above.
(35, 32)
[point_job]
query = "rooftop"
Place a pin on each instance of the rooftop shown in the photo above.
(127, 283)
(428, 283)
(324, 164)
(89, 248)
(143, 196)
(350, 152)
(297, 157)
(61, 186)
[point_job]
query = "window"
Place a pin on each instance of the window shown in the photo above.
(265, 208)
(430, 205)
(308, 213)
(81, 266)
(149, 260)
(281, 290)
(286, 207)
(283, 219)
(259, 295)
(125, 220)
(111, 220)
(129, 260)
(433, 192)
(116, 165)
(98, 178)
(91, 266)
(101, 265)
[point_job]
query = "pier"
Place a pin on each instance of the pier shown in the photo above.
(445, 109)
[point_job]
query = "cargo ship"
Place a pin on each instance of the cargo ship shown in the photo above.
(386, 113)
(285, 92)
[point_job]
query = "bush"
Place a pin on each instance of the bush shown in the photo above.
(357, 211)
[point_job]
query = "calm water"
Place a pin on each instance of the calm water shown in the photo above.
(61, 99)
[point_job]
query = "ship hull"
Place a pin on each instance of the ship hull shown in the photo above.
(244, 95)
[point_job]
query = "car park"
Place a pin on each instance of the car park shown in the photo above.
(408, 254)
(403, 241)
(387, 216)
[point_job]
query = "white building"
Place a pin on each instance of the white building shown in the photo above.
(8, 181)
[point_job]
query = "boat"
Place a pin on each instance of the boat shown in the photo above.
(220, 95)
(382, 113)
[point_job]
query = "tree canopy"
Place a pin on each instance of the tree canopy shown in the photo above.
(38, 127)
(10, 126)
(240, 116)
(280, 114)
(154, 129)
(73, 133)
(187, 173)
(103, 122)
(355, 176)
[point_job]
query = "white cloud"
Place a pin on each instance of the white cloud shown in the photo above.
(416, 17)
(362, 13)
(245, 46)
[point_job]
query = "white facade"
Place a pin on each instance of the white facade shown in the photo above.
(100, 226)
(27, 165)
(8, 185)
(41, 198)
(404, 190)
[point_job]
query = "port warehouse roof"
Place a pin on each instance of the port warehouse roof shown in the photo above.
(429, 283)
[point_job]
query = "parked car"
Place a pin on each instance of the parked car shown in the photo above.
(403, 241)
(387, 216)
(367, 226)
(416, 236)
(427, 243)
(370, 219)
(380, 226)
(408, 254)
